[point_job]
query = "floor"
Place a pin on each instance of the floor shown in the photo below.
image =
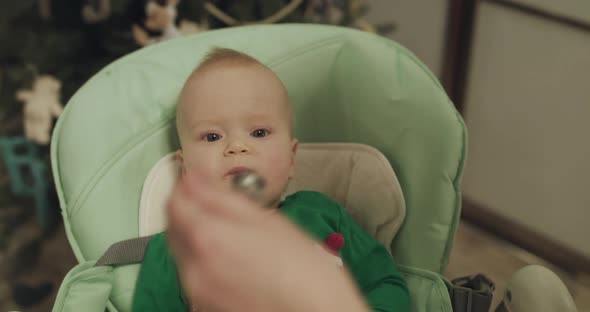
(55, 260)
(475, 251)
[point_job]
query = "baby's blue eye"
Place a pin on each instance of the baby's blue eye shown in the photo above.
(259, 133)
(212, 137)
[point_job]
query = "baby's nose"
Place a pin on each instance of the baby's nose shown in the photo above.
(236, 148)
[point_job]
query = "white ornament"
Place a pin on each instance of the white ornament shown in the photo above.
(41, 105)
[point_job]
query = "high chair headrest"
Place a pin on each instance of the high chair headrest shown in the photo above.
(357, 176)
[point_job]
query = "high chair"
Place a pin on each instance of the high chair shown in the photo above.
(378, 134)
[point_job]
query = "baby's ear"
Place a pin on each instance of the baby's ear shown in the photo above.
(180, 160)
(294, 144)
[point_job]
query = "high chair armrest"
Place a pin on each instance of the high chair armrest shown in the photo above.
(85, 288)
(428, 290)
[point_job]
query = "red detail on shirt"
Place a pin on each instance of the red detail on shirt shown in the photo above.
(335, 241)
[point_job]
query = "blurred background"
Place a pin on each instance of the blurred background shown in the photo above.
(515, 69)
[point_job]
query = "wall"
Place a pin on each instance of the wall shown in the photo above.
(421, 27)
(574, 9)
(527, 109)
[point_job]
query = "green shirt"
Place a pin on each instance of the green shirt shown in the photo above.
(375, 273)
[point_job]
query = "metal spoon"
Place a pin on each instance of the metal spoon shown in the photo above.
(249, 183)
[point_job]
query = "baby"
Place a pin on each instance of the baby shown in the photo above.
(234, 116)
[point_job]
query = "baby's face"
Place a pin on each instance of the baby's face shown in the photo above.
(236, 118)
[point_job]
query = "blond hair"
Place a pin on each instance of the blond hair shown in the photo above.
(224, 56)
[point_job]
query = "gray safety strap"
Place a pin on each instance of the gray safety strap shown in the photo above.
(125, 252)
(471, 293)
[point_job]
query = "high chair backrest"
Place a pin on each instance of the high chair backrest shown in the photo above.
(345, 86)
(356, 176)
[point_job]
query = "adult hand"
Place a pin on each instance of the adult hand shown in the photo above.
(234, 255)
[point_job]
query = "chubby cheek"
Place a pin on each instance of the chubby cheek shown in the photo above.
(201, 163)
(278, 168)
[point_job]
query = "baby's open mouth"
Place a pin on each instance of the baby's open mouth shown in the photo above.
(238, 170)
